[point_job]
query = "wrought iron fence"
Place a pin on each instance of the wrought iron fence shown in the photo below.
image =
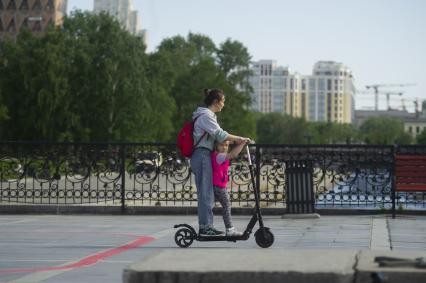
(144, 174)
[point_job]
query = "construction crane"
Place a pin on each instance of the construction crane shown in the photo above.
(388, 94)
(376, 87)
(415, 101)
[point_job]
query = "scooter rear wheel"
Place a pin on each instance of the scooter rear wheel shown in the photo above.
(264, 240)
(184, 237)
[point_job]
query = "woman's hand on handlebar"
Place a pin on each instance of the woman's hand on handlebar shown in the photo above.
(243, 140)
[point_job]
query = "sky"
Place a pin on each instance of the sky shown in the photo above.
(381, 41)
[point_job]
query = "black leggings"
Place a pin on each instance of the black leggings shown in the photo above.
(222, 196)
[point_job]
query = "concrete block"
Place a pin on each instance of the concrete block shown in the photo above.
(366, 268)
(244, 265)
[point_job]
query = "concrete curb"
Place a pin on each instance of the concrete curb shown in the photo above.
(272, 266)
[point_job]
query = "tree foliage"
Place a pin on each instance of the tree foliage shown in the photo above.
(421, 139)
(278, 128)
(91, 80)
(384, 130)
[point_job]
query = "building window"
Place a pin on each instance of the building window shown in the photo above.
(321, 84)
(11, 5)
(311, 84)
(303, 84)
(24, 5)
(36, 6)
(50, 6)
(37, 26)
(410, 129)
(25, 23)
(11, 27)
(417, 129)
(328, 84)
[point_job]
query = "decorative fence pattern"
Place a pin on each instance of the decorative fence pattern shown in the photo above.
(144, 174)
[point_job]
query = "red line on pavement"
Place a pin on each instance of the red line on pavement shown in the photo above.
(89, 260)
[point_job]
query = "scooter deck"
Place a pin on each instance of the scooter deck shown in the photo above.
(222, 238)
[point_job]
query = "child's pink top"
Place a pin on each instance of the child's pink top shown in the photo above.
(220, 167)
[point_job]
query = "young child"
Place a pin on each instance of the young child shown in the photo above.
(220, 164)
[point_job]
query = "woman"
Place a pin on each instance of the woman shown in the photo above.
(206, 132)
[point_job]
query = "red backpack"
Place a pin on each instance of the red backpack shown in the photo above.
(185, 140)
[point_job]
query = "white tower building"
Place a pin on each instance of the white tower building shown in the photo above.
(122, 10)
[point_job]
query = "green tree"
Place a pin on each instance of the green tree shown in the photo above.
(233, 59)
(278, 128)
(384, 130)
(186, 66)
(421, 139)
(107, 78)
(35, 87)
(332, 133)
(91, 80)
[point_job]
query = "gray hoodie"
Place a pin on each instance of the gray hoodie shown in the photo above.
(207, 122)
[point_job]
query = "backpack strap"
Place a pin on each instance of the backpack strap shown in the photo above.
(195, 145)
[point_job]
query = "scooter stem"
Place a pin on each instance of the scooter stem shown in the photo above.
(255, 189)
(248, 155)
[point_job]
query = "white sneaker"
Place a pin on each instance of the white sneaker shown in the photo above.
(232, 232)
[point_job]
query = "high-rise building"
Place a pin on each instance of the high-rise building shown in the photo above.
(326, 95)
(122, 11)
(134, 22)
(36, 15)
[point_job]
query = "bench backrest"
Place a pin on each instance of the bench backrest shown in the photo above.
(410, 173)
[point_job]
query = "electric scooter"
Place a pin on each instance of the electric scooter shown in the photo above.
(186, 235)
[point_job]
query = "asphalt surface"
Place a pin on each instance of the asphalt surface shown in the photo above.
(91, 248)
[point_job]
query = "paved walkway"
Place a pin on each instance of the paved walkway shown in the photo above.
(88, 248)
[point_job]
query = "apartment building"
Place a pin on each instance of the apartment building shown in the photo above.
(36, 15)
(122, 11)
(326, 95)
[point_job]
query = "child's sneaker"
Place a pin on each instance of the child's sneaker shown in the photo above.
(210, 232)
(232, 232)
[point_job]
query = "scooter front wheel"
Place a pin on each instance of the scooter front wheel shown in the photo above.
(184, 237)
(264, 237)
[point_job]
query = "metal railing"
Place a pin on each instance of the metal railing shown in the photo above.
(153, 174)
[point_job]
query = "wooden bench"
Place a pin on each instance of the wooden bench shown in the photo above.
(410, 174)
